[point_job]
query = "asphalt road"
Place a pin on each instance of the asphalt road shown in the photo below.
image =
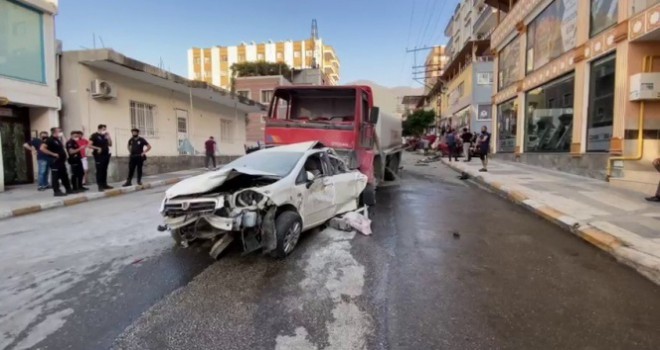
(449, 266)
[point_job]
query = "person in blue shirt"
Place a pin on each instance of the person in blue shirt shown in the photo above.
(484, 147)
(34, 146)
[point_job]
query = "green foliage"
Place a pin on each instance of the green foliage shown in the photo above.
(418, 122)
(260, 68)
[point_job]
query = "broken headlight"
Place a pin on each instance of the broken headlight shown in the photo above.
(248, 198)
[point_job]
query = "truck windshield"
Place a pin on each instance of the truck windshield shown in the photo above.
(317, 105)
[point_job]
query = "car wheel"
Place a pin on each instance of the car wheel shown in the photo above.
(368, 196)
(288, 227)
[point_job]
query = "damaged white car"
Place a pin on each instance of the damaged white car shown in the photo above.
(266, 199)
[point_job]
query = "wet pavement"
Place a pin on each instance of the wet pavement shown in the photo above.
(449, 266)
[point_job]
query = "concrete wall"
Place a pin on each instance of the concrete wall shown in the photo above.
(590, 165)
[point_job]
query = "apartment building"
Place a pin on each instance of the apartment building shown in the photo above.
(568, 94)
(464, 88)
(213, 65)
(434, 67)
(176, 115)
(28, 83)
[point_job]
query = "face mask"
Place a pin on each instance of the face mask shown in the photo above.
(44, 137)
(103, 132)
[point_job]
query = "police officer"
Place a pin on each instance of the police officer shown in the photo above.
(57, 157)
(101, 143)
(75, 161)
(138, 153)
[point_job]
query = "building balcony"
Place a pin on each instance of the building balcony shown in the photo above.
(485, 23)
(637, 6)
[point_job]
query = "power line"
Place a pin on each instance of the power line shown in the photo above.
(426, 11)
(431, 15)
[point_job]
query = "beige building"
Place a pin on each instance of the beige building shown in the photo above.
(28, 83)
(174, 114)
(213, 65)
(567, 93)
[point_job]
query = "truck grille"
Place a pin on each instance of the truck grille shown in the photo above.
(188, 208)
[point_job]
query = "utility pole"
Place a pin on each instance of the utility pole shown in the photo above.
(315, 36)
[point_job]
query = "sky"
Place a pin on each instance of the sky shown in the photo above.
(369, 36)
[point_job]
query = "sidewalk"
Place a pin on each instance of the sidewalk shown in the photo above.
(25, 199)
(615, 220)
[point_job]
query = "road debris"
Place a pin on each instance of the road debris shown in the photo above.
(355, 220)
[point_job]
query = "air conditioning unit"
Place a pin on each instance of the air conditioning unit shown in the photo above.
(102, 89)
(645, 87)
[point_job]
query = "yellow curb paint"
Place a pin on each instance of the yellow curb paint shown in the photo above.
(113, 193)
(517, 196)
(550, 213)
(26, 210)
(496, 184)
(74, 201)
(600, 239)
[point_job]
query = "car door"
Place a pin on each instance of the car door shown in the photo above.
(318, 203)
(346, 185)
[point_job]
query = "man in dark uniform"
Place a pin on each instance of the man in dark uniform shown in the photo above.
(101, 143)
(138, 153)
(57, 156)
(75, 160)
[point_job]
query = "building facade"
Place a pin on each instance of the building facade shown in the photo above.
(213, 65)
(174, 114)
(434, 67)
(565, 72)
(464, 89)
(28, 83)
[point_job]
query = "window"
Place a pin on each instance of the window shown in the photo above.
(207, 60)
(280, 56)
(142, 117)
(603, 15)
(197, 60)
(484, 78)
(224, 58)
(308, 53)
(549, 128)
(241, 58)
(508, 64)
(601, 104)
(243, 93)
(266, 96)
(551, 33)
(338, 166)
(507, 121)
(260, 57)
(181, 125)
(296, 54)
(21, 43)
(226, 131)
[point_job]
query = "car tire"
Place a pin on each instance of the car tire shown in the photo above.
(288, 228)
(368, 196)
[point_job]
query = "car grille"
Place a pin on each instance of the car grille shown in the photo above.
(188, 208)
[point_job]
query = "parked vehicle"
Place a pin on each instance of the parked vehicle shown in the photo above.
(343, 118)
(266, 199)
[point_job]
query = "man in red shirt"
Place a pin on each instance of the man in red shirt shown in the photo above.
(210, 147)
(84, 143)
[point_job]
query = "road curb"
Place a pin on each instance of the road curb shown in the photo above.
(624, 252)
(87, 197)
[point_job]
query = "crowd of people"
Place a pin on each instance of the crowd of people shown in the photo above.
(54, 152)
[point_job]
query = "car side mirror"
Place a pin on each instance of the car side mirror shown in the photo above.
(310, 178)
(373, 117)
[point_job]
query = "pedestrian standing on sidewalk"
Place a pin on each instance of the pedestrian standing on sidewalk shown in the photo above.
(466, 137)
(83, 142)
(484, 148)
(75, 150)
(452, 143)
(101, 143)
(34, 145)
(57, 160)
(138, 154)
(211, 147)
(656, 198)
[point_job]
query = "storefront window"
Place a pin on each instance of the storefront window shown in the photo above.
(551, 33)
(603, 15)
(21, 44)
(601, 104)
(508, 64)
(549, 112)
(462, 118)
(507, 120)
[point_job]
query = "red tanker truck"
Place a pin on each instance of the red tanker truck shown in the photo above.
(343, 118)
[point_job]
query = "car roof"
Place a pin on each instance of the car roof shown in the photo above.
(300, 147)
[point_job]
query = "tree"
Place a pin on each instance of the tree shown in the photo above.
(256, 69)
(418, 122)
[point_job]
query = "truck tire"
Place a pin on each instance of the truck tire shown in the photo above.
(368, 196)
(288, 228)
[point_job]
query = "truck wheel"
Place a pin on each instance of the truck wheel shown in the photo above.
(368, 196)
(288, 227)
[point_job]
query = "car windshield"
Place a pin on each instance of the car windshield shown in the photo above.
(272, 162)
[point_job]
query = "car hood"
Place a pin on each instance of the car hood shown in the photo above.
(208, 181)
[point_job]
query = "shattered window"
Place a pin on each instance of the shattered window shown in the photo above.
(275, 163)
